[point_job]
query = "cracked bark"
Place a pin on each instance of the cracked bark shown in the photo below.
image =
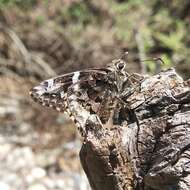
(151, 149)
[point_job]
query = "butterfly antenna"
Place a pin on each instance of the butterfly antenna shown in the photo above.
(158, 60)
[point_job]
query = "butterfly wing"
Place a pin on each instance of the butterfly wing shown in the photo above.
(53, 92)
(85, 95)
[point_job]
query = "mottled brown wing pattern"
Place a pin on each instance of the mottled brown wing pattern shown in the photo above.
(80, 94)
(88, 96)
(53, 92)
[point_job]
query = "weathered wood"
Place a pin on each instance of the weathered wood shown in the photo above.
(151, 149)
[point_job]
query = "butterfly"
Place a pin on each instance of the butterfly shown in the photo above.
(96, 95)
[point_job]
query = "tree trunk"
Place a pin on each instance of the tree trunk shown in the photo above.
(151, 149)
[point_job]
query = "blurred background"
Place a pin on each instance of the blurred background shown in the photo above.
(40, 39)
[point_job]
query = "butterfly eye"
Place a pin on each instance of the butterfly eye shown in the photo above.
(120, 65)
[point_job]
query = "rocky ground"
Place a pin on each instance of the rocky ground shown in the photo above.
(24, 168)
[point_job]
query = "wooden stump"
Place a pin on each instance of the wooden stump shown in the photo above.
(151, 149)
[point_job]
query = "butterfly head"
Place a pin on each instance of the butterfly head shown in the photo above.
(118, 67)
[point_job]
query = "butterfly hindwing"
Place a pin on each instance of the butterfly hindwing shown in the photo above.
(91, 97)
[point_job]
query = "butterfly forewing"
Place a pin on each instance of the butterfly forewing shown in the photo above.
(53, 92)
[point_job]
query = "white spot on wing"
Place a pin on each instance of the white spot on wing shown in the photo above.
(51, 86)
(50, 83)
(75, 79)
